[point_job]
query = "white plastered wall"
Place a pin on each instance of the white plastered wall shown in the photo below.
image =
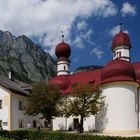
(125, 53)
(120, 113)
(20, 114)
(62, 68)
(4, 112)
(139, 106)
(62, 123)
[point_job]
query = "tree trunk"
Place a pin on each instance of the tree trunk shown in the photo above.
(81, 124)
(50, 123)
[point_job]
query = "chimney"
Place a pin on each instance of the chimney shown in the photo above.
(10, 75)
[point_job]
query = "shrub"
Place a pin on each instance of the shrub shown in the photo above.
(50, 135)
(2, 138)
(4, 133)
(19, 134)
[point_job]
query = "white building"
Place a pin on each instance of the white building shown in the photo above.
(13, 100)
(119, 82)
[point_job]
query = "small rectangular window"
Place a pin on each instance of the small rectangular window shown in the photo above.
(0, 104)
(91, 82)
(21, 106)
(20, 123)
(34, 124)
(120, 54)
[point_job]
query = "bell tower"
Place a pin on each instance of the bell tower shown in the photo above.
(121, 45)
(63, 52)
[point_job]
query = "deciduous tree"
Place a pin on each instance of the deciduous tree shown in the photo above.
(43, 100)
(83, 102)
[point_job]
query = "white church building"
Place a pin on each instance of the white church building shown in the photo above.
(118, 81)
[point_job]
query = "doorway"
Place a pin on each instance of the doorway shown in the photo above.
(34, 124)
(75, 123)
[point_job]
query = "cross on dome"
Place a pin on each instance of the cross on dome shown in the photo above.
(62, 36)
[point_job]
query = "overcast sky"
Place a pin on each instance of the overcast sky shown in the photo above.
(88, 25)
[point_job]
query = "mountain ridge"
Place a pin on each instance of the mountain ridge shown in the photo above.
(26, 59)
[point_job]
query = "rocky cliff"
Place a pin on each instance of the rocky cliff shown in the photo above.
(27, 60)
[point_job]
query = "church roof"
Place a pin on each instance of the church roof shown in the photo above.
(67, 82)
(118, 70)
(121, 39)
(136, 66)
(63, 50)
(115, 70)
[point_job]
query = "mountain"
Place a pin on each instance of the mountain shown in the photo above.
(88, 68)
(27, 60)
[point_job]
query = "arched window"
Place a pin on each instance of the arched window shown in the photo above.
(64, 67)
(119, 54)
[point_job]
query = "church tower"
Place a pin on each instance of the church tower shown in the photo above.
(63, 52)
(121, 46)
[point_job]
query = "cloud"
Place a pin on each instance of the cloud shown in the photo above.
(82, 25)
(78, 42)
(87, 34)
(97, 52)
(46, 18)
(84, 34)
(75, 59)
(115, 30)
(128, 9)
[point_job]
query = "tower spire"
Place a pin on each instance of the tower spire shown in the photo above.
(121, 24)
(62, 35)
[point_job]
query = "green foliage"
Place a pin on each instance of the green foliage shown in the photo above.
(63, 106)
(2, 138)
(43, 100)
(4, 133)
(86, 102)
(46, 135)
(83, 102)
(18, 134)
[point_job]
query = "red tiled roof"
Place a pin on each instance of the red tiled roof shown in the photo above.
(136, 66)
(117, 70)
(121, 39)
(66, 82)
(63, 50)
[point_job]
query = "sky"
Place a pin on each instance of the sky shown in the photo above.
(88, 26)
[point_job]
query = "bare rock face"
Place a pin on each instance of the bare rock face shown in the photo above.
(27, 60)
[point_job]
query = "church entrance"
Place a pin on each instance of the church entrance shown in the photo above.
(34, 124)
(75, 123)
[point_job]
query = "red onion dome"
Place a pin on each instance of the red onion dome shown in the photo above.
(121, 39)
(136, 67)
(63, 50)
(118, 70)
(62, 81)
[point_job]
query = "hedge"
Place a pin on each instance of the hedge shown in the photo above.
(50, 135)
(2, 138)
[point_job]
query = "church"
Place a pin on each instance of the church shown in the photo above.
(118, 81)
